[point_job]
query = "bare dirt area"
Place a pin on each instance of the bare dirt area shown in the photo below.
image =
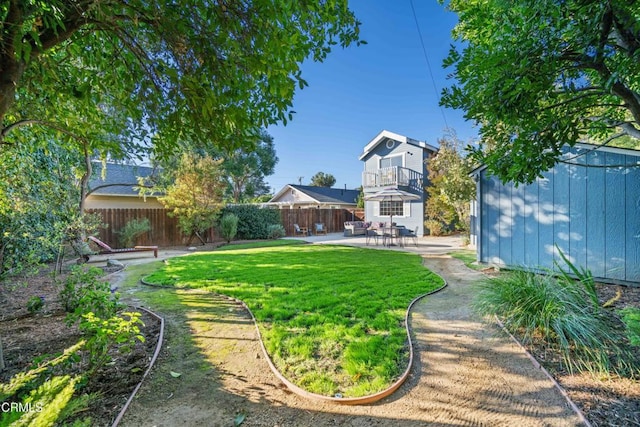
(211, 371)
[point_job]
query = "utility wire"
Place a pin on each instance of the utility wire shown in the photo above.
(426, 57)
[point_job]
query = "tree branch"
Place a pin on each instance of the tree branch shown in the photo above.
(27, 122)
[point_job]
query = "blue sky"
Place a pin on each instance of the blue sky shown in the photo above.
(359, 91)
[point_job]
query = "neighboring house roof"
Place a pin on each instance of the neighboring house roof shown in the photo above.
(385, 135)
(319, 195)
(120, 179)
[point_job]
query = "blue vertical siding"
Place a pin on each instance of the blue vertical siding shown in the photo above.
(531, 209)
(615, 218)
(591, 214)
(518, 217)
(561, 198)
(545, 221)
(578, 210)
(632, 221)
(596, 219)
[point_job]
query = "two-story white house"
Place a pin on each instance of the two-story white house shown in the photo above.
(395, 161)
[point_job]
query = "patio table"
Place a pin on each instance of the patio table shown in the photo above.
(389, 233)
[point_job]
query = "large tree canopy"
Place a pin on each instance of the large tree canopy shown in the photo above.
(116, 72)
(246, 169)
(536, 75)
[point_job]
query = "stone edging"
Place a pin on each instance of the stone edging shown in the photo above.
(151, 363)
(537, 364)
(336, 400)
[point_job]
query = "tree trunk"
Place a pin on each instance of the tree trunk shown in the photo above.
(84, 181)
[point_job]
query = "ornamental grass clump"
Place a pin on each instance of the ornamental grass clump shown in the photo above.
(563, 311)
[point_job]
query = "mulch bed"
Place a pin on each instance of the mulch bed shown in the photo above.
(27, 337)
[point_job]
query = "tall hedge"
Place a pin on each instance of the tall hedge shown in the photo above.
(253, 221)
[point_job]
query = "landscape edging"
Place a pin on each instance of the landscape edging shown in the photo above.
(151, 363)
(337, 400)
(538, 365)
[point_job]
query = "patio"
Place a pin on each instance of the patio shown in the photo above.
(427, 245)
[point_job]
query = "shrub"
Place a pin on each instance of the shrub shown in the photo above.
(82, 293)
(562, 312)
(275, 231)
(35, 304)
(435, 227)
(253, 220)
(631, 319)
(38, 388)
(132, 230)
(228, 226)
(103, 334)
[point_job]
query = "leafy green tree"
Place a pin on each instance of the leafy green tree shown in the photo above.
(195, 197)
(360, 199)
(157, 72)
(322, 179)
(450, 189)
(246, 168)
(38, 198)
(538, 75)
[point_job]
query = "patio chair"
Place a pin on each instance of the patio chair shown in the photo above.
(106, 249)
(320, 229)
(372, 233)
(411, 234)
(297, 230)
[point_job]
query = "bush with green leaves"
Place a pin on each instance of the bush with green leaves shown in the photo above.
(44, 390)
(102, 334)
(631, 319)
(275, 231)
(253, 221)
(35, 304)
(561, 310)
(83, 292)
(132, 230)
(228, 226)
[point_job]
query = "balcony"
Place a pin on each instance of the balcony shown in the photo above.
(394, 176)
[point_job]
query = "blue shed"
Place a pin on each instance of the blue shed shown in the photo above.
(587, 206)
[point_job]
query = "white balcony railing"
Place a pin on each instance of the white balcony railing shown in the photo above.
(394, 176)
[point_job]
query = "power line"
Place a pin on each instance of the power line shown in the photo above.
(426, 57)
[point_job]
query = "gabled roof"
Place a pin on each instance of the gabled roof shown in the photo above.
(120, 178)
(321, 195)
(386, 135)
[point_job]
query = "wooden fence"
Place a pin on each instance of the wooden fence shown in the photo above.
(333, 219)
(165, 232)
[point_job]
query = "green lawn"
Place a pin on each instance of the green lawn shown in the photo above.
(332, 317)
(469, 257)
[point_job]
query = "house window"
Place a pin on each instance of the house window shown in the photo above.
(391, 208)
(388, 162)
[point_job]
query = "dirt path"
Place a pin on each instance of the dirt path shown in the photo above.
(465, 373)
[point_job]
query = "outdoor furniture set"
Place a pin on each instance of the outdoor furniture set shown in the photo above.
(355, 228)
(304, 231)
(390, 233)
